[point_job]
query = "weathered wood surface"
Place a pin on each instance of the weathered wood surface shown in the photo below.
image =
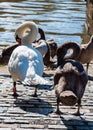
(30, 113)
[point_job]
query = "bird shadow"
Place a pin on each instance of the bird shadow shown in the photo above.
(90, 77)
(5, 75)
(47, 75)
(76, 123)
(45, 87)
(34, 105)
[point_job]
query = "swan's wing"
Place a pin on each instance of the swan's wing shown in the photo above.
(42, 47)
(26, 64)
(34, 72)
(36, 80)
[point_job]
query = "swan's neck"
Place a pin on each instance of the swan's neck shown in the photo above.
(27, 32)
(31, 36)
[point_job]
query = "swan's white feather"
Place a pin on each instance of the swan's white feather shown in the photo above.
(26, 65)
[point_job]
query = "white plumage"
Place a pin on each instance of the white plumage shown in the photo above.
(26, 65)
(26, 62)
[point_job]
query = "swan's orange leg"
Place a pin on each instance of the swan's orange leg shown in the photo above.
(14, 90)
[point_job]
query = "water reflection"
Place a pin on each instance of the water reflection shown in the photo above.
(61, 20)
(11, 0)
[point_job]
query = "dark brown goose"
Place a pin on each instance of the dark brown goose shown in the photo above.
(53, 47)
(82, 53)
(70, 81)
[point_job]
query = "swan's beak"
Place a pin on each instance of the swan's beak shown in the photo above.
(18, 39)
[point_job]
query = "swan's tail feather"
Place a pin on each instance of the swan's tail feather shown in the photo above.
(37, 80)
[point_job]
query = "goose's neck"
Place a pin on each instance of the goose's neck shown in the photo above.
(62, 51)
(42, 34)
(60, 56)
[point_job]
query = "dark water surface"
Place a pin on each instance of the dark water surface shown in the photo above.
(62, 20)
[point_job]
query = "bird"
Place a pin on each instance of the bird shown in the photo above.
(70, 79)
(53, 47)
(62, 52)
(6, 53)
(49, 46)
(51, 43)
(84, 53)
(40, 44)
(26, 62)
(44, 47)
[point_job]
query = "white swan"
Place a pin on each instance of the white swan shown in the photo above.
(26, 62)
(7, 51)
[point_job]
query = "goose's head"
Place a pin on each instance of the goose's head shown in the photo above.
(26, 33)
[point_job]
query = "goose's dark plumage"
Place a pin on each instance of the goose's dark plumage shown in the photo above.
(6, 53)
(62, 51)
(82, 53)
(70, 81)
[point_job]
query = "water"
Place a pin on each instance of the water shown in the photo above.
(62, 20)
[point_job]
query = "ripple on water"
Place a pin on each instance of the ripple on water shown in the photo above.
(61, 20)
